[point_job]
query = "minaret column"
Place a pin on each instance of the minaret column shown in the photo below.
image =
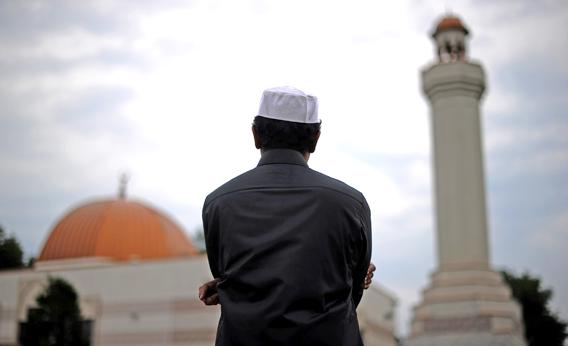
(466, 302)
(454, 91)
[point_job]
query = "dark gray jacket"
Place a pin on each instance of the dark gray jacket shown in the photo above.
(291, 247)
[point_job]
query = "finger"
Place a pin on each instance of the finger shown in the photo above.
(202, 291)
(207, 287)
(371, 268)
(212, 300)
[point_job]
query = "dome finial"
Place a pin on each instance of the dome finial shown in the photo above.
(122, 184)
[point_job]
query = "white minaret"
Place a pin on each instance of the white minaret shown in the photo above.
(466, 303)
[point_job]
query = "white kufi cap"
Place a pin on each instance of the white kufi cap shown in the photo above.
(289, 104)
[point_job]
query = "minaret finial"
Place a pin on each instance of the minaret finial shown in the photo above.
(122, 184)
(450, 37)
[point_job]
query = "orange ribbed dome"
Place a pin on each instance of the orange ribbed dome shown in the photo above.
(450, 22)
(117, 229)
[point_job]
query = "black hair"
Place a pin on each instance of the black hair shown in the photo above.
(280, 134)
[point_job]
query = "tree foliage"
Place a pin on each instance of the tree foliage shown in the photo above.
(57, 318)
(11, 254)
(542, 327)
(199, 240)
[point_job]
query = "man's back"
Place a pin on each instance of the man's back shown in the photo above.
(291, 248)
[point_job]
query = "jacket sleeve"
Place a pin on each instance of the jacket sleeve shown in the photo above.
(363, 252)
(211, 234)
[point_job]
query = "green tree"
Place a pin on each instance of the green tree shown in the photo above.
(542, 327)
(31, 261)
(57, 318)
(199, 240)
(11, 255)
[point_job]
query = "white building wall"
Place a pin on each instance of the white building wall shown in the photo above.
(147, 303)
(376, 314)
(153, 303)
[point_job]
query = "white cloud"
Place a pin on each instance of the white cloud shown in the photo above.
(73, 44)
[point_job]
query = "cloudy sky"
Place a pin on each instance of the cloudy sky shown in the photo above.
(166, 91)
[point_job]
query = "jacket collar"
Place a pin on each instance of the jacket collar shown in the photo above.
(282, 156)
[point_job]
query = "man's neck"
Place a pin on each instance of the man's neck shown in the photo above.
(306, 154)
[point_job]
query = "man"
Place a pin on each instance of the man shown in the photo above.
(289, 247)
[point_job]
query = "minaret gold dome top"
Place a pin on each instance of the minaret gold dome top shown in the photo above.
(450, 22)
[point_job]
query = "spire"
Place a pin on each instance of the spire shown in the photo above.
(122, 185)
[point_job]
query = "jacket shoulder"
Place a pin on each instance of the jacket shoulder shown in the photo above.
(339, 186)
(237, 183)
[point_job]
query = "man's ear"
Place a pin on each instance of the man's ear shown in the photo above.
(313, 147)
(257, 141)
